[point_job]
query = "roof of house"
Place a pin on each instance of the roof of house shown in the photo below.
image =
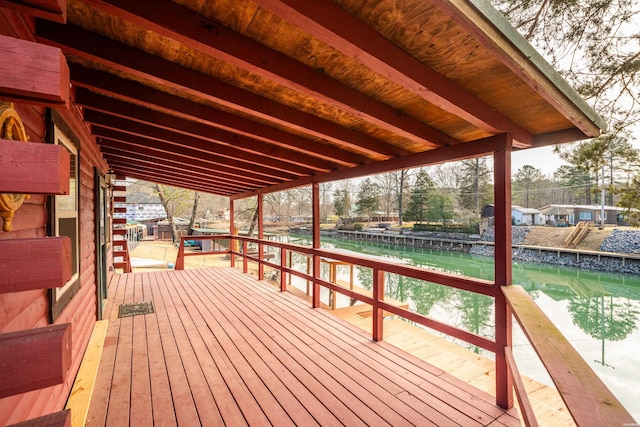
(525, 210)
(235, 98)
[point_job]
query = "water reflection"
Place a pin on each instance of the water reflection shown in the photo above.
(597, 312)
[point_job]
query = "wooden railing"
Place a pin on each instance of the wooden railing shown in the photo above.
(589, 401)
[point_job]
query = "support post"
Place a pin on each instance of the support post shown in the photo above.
(503, 269)
(260, 236)
(315, 202)
(233, 244)
(378, 295)
(283, 263)
(245, 259)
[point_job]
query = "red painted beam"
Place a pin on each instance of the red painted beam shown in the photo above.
(34, 359)
(33, 168)
(52, 255)
(137, 63)
(172, 167)
(183, 150)
(198, 145)
(175, 22)
(104, 105)
(133, 151)
(155, 100)
(32, 72)
(335, 26)
(461, 151)
(163, 178)
(184, 174)
(53, 10)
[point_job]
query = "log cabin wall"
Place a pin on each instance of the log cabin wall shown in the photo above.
(31, 309)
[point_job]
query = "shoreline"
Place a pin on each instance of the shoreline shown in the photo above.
(610, 262)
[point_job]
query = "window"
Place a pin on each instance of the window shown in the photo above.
(65, 222)
(585, 216)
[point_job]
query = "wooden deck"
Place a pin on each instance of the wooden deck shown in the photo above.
(225, 349)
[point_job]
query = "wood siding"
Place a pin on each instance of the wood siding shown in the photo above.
(30, 309)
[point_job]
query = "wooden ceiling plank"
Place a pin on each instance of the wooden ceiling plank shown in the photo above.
(142, 65)
(147, 97)
(181, 150)
(135, 151)
(125, 126)
(173, 168)
(335, 26)
(157, 119)
(178, 23)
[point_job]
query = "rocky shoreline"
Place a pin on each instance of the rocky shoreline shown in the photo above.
(619, 242)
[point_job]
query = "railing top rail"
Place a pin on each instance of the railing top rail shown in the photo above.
(588, 399)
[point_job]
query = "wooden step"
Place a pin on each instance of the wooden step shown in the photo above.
(119, 210)
(119, 254)
(122, 264)
(120, 199)
(121, 178)
(119, 188)
(119, 232)
(119, 220)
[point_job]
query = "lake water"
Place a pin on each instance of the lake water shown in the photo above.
(599, 313)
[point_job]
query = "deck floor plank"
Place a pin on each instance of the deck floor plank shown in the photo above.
(225, 349)
(472, 415)
(183, 403)
(162, 410)
(348, 378)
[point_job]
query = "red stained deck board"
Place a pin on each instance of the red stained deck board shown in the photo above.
(341, 381)
(225, 348)
(378, 390)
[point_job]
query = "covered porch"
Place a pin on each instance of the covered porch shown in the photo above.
(222, 347)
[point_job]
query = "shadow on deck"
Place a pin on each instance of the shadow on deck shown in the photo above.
(223, 348)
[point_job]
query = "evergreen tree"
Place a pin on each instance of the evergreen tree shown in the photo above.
(475, 189)
(342, 202)
(526, 180)
(419, 199)
(440, 208)
(368, 200)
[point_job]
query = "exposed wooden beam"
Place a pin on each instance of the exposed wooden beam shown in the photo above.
(164, 152)
(161, 178)
(173, 147)
(243, 144)
(34, 358)
(137, 94)
(144, 66)
(33, 168)
(32, 72)
(53, 10)
(463, 151)
(132, 152)
(176, 22)
(330, 23)
(173, 169)
(196, 144)
(16, 263)
(184, 176)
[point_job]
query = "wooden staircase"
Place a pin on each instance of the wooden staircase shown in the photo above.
(578, 234)
(121, 258)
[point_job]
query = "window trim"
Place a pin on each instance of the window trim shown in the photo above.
(60, 297)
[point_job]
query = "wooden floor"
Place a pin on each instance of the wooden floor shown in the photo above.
(225, 349)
